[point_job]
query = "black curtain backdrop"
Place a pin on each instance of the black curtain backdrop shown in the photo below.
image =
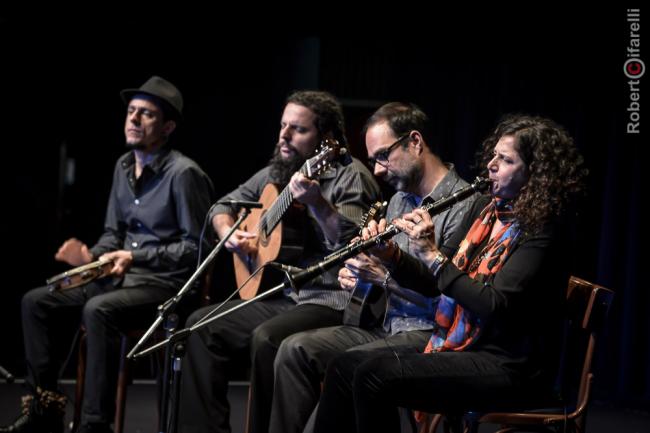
(61, 80)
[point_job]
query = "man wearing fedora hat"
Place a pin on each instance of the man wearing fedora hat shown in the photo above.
(156, 207)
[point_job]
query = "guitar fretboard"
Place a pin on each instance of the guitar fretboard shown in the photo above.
(275, 213)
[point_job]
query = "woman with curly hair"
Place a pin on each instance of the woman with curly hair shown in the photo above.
(501, 282)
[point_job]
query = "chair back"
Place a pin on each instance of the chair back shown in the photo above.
(587, 305)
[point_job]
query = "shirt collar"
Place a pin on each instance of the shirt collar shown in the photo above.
(443, 189)
(155, 165)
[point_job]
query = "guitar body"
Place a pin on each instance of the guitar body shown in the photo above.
(367, 304)
(283, 243)
(366, 307)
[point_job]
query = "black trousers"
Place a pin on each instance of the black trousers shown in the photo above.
(104, 311)
(363, 389)
(248, 337)
(301, 362)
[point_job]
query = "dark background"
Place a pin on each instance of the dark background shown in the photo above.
(61, 78)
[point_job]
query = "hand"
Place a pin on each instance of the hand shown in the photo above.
(122, 260)
(242, 242)
(367, 267)
(347, 279)
(419, 228)
(387, 251)
(305, 190)
(74, 252)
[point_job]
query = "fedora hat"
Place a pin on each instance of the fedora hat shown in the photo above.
(159, 88)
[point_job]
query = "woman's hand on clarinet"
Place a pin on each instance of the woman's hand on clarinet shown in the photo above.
(419, 228)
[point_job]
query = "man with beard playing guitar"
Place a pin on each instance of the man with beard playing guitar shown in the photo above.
(331, 203)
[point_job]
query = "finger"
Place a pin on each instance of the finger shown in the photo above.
(372, 228)
(382, 225)
(403, 225)
(421, 213)
(350, 278)
(363, 258)
(410, 216)
(115, 269)
(426, 220)
(355, 261)
(354, 270)
(347, 283)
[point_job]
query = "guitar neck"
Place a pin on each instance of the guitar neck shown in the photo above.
(277, 210)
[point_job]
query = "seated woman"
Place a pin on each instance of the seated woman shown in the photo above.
(501, 281)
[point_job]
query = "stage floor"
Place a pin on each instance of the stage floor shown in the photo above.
(141, 413)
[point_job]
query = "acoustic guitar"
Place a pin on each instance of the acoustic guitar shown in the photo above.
(278, 225)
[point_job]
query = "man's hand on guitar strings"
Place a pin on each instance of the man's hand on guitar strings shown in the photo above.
(242, 242)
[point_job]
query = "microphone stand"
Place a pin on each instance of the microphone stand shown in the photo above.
(175, 348)
(176, 341)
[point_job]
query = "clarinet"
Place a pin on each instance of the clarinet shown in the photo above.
(298, 278)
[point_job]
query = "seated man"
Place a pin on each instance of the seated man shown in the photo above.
(397, 142)
(156, 208)
(333, 205)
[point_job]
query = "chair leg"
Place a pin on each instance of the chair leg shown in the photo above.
(81, 381)
(122, 384)
(470, 421)
(430, 423)
(247, 426)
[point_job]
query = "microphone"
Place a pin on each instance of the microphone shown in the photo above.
(6, 375)
(242, 203)
(289, 272)
(285, 268)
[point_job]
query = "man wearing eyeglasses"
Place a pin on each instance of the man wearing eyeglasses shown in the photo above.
(399, 153)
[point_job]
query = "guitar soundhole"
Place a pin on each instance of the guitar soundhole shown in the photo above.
(264, 237)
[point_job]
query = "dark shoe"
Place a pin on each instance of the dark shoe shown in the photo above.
(40, 413)
(95, 428)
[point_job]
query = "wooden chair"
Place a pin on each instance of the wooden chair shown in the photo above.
(587, 308)
(587, 305)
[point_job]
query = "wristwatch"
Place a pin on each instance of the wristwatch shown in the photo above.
(384, 284)
(438, 262)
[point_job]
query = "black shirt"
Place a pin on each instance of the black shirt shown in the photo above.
(158, 217)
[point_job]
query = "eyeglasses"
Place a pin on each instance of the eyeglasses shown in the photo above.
(381, 158)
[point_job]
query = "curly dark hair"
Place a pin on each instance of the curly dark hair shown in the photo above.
(555, 167)
(328, 111)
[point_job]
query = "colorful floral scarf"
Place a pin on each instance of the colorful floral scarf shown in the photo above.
(456, 328)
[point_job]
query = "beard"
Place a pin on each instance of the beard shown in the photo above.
(135, 146)
(406, 180)
(282, 169)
